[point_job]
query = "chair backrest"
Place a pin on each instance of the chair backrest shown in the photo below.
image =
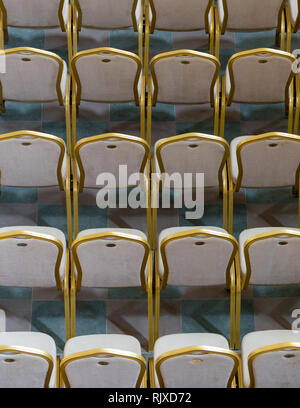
(108, 14)
(197, 257)
(193, 153)
(260, 76)
(197, 367)
(273, 257)
(107, 75)
(30, 258)
(268, 160)
(179, 16)
(33, 75)
(103, 368)
(32, 159)
(106, 153)
(251, 15)
(294, 6)
(184, 76)
(275, 366)
(110, 259)
(34, 13)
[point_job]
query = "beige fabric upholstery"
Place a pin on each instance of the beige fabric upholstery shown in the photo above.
(272, 370)
(194, 265)
(117, 266)
(293, 5)
(107, 77)
(250, 15)
(266, 165)
(2, 321)
(26, 371)
(184, 79)
(177, 15)
(107, 155)
(30, 162)
(32, 265)
(117, 372)
(32, 81)
(108, 14)
(271, 262)
(34, 13)
(183, 372)
(193, 156)
(257, 82)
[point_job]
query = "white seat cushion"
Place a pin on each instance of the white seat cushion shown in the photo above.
(2, 321)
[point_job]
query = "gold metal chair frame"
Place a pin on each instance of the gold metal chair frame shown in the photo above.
(157, 185)
(63, 186)
(268, 349)
(64, 27)
(78, 185)
(232, 273)
(289, 92)
(76, 85)
(146, 281)
(152, 99)
(191, 350)
(61, 286)
(236, 187)
(77, 24)
(284, 25)
(32, 352)
(105, 352)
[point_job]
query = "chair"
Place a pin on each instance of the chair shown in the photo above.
(193, 360)
(35, 257)
(190, 153)
(268, 256)
(111, 258)
(35, 76)
(183, 77)
(196, 257)
(34, 159)
(27, 360)
(98, 155)
(107, 75)
(170, 15)
(271, 359)
(259, 76)
(252, 16)
(34, 14)
(103, 361)
(108, 15)
(264, 161)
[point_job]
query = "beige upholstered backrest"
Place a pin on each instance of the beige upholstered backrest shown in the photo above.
(184, 76)
(34, 13)
(31, 159)
(107, 75)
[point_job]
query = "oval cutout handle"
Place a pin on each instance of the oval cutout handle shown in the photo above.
(22, 244)
(262, 61)
(282, 243)
(110, 245)
(9, 360)
(103, 363)
(185, 62)
(111, 146)
(26, 59)
(199, 243)
(106, 60)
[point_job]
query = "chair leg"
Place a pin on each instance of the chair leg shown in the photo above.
(238, 305)
(147, 42)
(225, 200)
(297, 110)
(230, 210)
(223, 107)
(157, 298)
(69, 36)
(69, 208)
(232, 308)
(217, 33)
(68, 116)
(142, 109)
(291, 107)
(150, 304)
(67, 299)
(217, 110)
(288, 30)
(73, 301)
(212, 32)
(75, 32)
(149, 113)
(74, 117)
(75, 205)
(282, 32)
(149, 221)
(1, 33)
(140, 39)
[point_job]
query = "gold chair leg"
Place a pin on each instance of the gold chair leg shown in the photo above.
(212, 32)
(149, 113)
(297, 110)
(238, 305)
(155, 203)
(230, 199)
(1, 33)
(225, 200)
(75, 32)
(58, 379)
(74, 117)
(151, 373)
(217, 110)
(288, 30)
(150, 303)
(142, 108)
(68, 115)
(223, 107)
(291, 107)
(217, 35)
(75, 205)
(149, 221)
(73, 301)
(67, 298)
(147, 42)
(140, 38)
(157, 298)
(232, 308)
(69, 204)
(282, 32)
(69, 36)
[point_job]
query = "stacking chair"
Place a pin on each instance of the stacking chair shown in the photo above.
(196, 257)
(35, 76)
(193, 360)
(252, 16)
(111, 258)
(108, 15)
(27, 360)
(170, 15)
(96, 155)
(107, 75)
(259, 76)
(35, 257)
(264, 161)
(32, 14)
(103, 361)
(183, 77)
(271, 359)
(190, 153)
(36, 160)
(268, 256)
